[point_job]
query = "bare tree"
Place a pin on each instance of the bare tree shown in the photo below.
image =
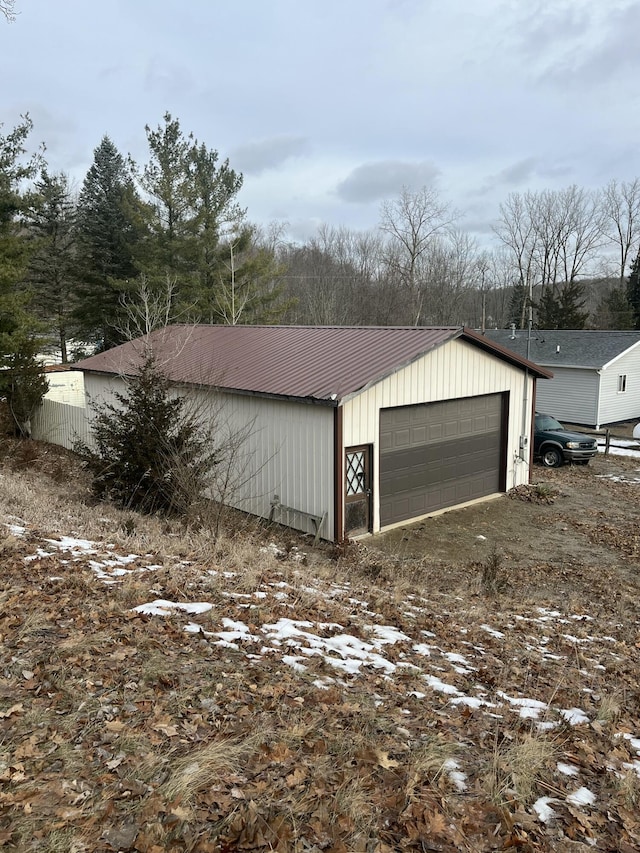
(7, 7)
(449, 276)
(621, 207)
(516, 229)
(147, 308)
(411, 223)
(554, 237)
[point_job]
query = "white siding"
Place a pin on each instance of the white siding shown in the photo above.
(60, 423)
(456, 369)
(66, 386)
(572, 395)
(287, 449)
(615, 405)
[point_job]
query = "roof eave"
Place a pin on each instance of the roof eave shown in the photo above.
(242, 392)
(508, 355)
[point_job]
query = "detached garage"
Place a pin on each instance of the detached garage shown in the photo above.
(353, 429)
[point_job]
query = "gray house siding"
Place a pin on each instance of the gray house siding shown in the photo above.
(571, 395)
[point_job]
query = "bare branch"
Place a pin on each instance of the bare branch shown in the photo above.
(7, 7)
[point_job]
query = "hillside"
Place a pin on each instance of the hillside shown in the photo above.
(470, 684)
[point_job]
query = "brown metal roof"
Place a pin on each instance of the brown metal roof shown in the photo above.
(323, 363)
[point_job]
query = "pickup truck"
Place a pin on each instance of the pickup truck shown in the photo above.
(553, 444)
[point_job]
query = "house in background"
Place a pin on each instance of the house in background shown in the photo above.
(596, 374)
(353, 429)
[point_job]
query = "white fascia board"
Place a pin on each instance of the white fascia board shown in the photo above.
(621, 354)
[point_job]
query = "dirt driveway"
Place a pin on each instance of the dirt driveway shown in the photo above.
(582, 515)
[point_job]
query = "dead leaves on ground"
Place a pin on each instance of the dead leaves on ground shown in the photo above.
(124, 732)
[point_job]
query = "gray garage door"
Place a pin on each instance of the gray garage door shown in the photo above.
(436, 455)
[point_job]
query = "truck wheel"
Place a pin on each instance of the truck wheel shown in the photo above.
(551, 457)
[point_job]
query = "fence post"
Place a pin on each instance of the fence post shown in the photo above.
(607, 442)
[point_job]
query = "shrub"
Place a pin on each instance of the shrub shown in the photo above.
(151, 454)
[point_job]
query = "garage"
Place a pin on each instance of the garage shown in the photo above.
(440, 454)
(352, 429)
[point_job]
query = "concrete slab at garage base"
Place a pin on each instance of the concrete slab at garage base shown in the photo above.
(413, 521)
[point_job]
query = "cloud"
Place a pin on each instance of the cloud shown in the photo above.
(539, 27)
(258, 157)
(376, 181)
(517, 173)
(590, 47)
(523, 171)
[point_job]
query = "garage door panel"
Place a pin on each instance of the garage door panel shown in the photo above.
(453, 453)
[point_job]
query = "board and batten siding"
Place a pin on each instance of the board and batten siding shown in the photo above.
(621, 405)
(456, 369)
(286, 449)
(572, 395)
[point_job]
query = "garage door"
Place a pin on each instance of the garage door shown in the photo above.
(436, 455)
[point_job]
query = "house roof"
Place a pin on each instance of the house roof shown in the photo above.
(322, 363)
(586, 349)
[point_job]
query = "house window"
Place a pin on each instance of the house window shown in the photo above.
(622, 383)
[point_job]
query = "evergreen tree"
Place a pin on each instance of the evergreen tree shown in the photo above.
(166, 182)
(107, 233)
(518, 305)
(215, 188)
(51, 218)
(152, 454)
(21, 381)
(559, 307)
(633, 290)
(191, 199)
(614, 310)
(249, 287)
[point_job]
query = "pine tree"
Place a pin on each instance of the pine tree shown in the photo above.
(191, 201)
(107, 232)
(518, 305)
(152, 454)
(614, 310)
(633, 290)
(248, 287)
(51, 220)
(21, 381)
(559, 307)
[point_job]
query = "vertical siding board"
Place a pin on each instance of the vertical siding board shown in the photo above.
(289, 448)
(61, 423)
(457, 369)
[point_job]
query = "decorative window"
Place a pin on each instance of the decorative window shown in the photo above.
(622, 383)
(356, 477)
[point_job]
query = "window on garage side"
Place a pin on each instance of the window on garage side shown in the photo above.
(622, 383)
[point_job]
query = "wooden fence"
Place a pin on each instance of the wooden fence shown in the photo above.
(60, 423)
(610, 440)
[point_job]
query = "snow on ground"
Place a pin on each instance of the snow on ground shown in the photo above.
(621, 447)
(427, 671)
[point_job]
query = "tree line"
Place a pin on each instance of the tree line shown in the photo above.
(167, 241)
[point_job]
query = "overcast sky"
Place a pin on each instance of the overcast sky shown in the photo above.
(328, 107)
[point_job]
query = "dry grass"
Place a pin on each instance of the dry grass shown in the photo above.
(194, 741)
(610, 708)
(517, 767)
(206, 766)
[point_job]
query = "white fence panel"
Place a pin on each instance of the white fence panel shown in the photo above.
(60, 423)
